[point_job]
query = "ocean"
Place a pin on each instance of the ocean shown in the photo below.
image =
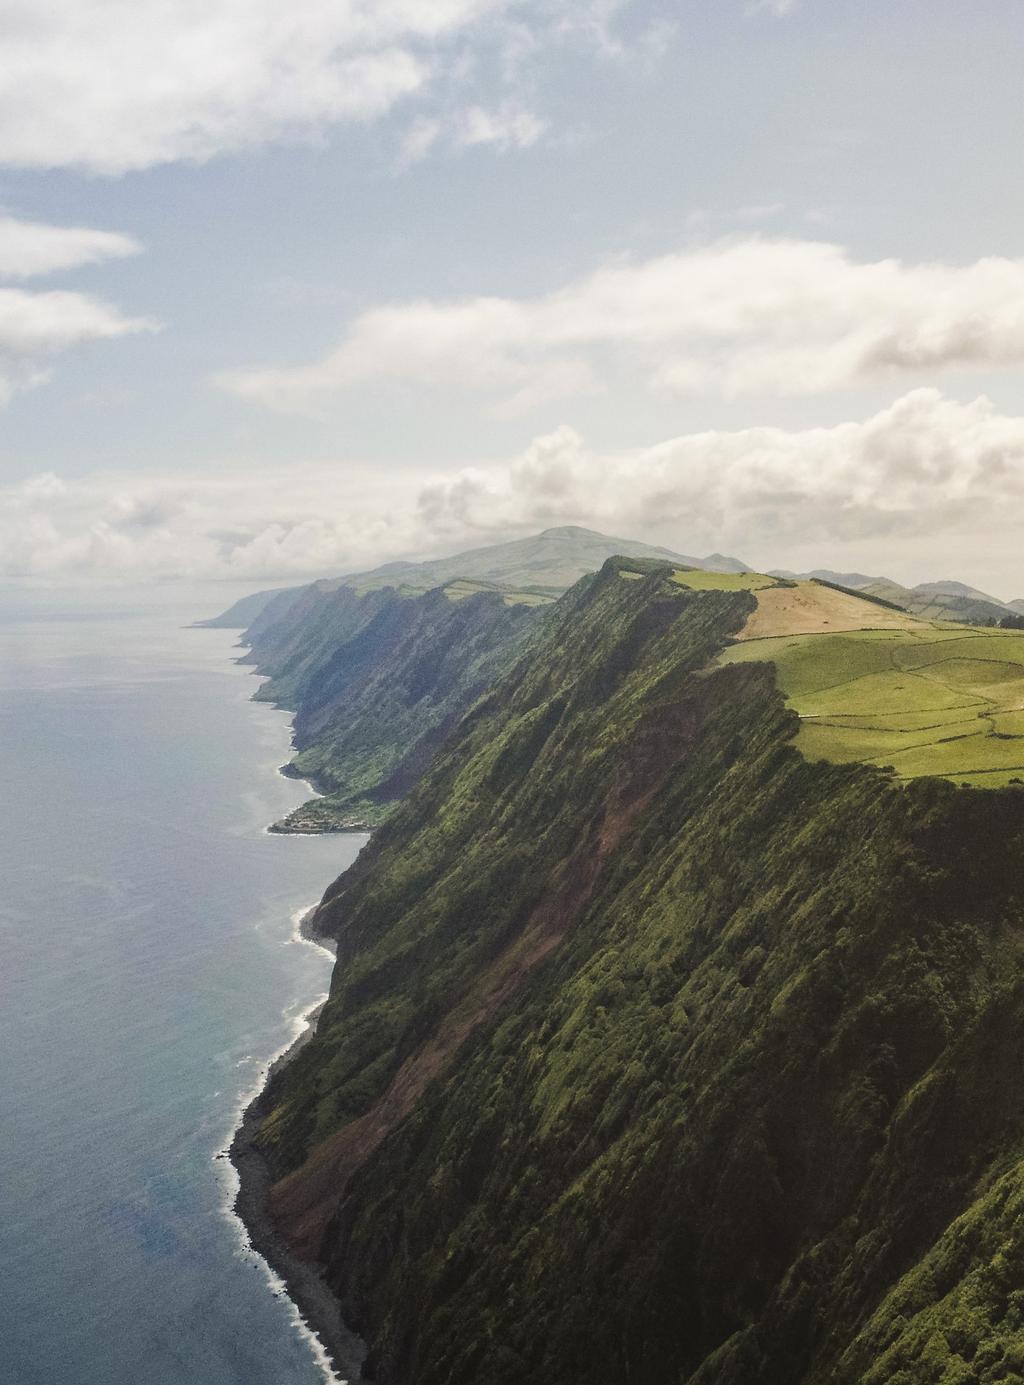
(150, 966)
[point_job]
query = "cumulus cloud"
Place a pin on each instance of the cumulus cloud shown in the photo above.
(925, 465)
(741, 316)
(926, 476)
(115, 85)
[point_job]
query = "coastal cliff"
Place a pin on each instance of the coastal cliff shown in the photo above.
(377, 667)
(376, 680)
(658, 1052)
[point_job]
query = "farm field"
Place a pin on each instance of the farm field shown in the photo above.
(698, 579)
(462, 587)
(925, 698)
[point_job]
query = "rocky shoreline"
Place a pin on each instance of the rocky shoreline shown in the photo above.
(318, 815)
(311, 821)
(303, 1282)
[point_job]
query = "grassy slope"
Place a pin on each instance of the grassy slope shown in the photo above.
(699, 579)
(929, 700)
(658, 1053)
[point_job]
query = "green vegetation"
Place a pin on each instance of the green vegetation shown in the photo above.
(939, 700)
(658, 1053)
(375, 672)
(699, 579)
(941, 601)
(544, 564)
(863, 594)
(376, 681)
(461, 587)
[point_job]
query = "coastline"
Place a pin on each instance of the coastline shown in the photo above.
(320, 1311)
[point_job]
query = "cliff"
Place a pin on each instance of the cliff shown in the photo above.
(378, 666)
(377, 680)
(551, 561)
(658, 1051)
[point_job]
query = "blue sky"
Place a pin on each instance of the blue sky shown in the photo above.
(395, 278)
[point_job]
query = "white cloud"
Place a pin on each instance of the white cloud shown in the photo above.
(420, 138)
(503, 128)
(29, 248)
(923, 480)
(115, 85)
(781, 8)
(747, 315)
(34, 327)
(924, 466)
(507, 127)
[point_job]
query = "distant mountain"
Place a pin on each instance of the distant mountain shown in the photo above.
(958, 589)
(945, 600)
(552, 560)
(242, 614)
(856, 580)
(549, 562)
(718, 562)
(942, 601)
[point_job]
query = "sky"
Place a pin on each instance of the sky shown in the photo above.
(290, 291)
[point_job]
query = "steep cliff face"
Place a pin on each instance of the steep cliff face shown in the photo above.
(378, 666)
(376, 711)
(552, 561)
(656, 1052)
(376, 680)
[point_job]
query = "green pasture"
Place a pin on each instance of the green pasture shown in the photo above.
(939, 700)
(461, 587)
(700, 580)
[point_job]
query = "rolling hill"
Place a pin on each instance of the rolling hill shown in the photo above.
(945, 600)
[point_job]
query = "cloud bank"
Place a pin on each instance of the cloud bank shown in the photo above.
(749, 316)
(927, 469)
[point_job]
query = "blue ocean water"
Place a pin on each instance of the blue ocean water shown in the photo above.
(149, 967)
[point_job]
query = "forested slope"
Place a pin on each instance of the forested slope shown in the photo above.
(656, 1052)
(376, 680)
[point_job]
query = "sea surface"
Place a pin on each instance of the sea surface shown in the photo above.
(150, 966)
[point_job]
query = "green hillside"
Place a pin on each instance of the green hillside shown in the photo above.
(377, 679)
(546, 564)
(552, 560)
(376, 671)
(659, 1052)
(930, 699)
(943, 601)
